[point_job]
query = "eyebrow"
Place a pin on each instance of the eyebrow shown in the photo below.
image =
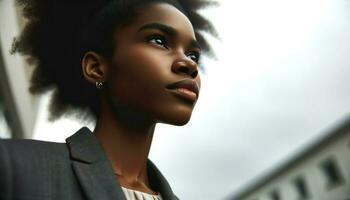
(169, 31)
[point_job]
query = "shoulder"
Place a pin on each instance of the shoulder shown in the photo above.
(31, 149)
(20, 154)
(29, 164)
(31, 155)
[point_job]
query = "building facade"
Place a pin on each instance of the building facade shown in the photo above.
(319, 172)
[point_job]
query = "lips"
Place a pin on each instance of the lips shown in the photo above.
(186, 88)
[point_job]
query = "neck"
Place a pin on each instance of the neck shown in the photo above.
(126, 148)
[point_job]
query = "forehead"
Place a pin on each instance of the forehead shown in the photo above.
(166, 14)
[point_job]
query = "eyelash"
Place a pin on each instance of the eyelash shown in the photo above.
(158, 38)
(196, 56)
(161, 41)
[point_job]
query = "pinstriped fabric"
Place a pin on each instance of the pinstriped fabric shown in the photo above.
(137, 195)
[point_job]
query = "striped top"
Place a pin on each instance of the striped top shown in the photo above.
(137, 195)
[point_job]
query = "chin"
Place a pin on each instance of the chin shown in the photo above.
(178, 119)
(180, 123)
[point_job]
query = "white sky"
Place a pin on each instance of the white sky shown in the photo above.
(281, 80)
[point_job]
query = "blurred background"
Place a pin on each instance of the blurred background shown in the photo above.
(273, 118)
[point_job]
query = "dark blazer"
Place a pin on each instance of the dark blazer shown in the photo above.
(75, 170)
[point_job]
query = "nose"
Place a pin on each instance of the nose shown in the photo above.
(185, 66)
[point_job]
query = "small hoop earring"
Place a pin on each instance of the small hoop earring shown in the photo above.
(99, 85)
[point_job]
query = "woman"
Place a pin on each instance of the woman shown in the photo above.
(128, 64)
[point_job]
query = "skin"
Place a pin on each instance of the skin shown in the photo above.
(134, 98)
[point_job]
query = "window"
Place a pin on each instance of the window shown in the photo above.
(301, 187)
(332, 173)
(274, 195)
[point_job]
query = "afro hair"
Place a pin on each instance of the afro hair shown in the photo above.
(54, 39)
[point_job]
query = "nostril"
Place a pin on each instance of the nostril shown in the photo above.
(184, 70)
(194, 74)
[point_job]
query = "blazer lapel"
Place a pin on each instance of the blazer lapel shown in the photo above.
(92, 168)
(159, 183)
(95, 174)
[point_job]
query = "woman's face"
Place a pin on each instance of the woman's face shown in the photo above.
(157, 50)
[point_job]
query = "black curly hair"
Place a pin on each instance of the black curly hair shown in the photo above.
(59, 32)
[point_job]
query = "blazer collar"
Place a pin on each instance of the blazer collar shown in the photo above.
(95, 174)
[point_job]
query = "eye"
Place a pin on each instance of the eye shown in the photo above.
(158, 40)
(194, 56)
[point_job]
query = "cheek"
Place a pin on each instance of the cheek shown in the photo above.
(138, 75)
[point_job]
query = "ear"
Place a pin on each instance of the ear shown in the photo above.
(94, 67)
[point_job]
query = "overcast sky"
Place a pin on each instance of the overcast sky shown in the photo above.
(280, 81)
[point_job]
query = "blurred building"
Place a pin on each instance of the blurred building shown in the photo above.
(319, 172)
(18, 109)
